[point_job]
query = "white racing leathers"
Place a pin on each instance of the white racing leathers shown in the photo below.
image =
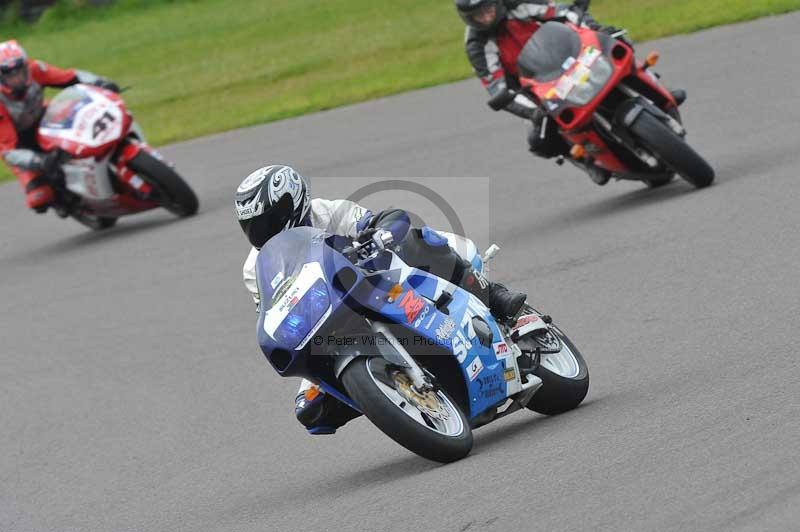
(337, 217)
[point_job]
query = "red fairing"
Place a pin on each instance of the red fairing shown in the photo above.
(581, 116)
(79, 150)
(597, 149)
(651, 81)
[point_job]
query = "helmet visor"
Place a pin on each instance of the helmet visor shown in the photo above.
(15, 77)
(272, 221)
(482, 17)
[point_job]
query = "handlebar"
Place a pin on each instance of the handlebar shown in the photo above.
(582, 7)
(367, 244)
(502, 99)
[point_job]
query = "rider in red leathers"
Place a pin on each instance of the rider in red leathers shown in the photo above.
(497, 31)
(22, 105)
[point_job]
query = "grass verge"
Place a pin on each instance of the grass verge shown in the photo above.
(204, 66)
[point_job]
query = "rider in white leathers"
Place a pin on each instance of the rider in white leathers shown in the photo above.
(276, 198)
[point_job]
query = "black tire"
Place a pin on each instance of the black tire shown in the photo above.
(174, 193)
(559, 394)
(393, 422)
(672, 150)
(96, 223)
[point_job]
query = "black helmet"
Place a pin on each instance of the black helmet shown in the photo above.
(481, 14)
(270, 200)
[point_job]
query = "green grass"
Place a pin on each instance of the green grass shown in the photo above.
(204, 66)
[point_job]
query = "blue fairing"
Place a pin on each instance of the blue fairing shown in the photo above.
(415, 309)
(295, 272)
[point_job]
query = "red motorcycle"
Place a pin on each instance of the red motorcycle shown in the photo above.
(107, 168)
(613, 110)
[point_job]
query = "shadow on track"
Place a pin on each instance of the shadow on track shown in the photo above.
(524, 426)
(90, 238)
(608, 207)
(412, 465)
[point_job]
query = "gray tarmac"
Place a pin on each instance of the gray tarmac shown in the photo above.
(133, 396)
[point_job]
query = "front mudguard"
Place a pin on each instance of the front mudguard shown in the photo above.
(629, 111)
(379, 347)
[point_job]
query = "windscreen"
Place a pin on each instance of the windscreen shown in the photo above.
(545, 53)
(296, 272)
(282, 258)
(63, 109)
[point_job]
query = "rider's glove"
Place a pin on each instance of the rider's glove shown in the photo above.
(49, 163)
(366, 235)
(611, 30)
(537, 116)
(106, 84)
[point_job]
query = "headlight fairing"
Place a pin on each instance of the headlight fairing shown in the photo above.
(583, 79)
(304, 316)
(298, 306)
(589, 81)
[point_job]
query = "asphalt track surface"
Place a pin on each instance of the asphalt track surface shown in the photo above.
(134, 398)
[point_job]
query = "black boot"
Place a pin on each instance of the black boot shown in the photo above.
(309, 407)
(679, 95)
(502, 302)
(599, 176)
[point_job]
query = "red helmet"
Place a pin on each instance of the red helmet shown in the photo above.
(14, 75)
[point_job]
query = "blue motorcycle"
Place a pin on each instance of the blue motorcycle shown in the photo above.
(421, 358)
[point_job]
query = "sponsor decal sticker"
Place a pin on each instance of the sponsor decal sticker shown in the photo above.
(501, 349)
(488, 380)
(509, 374)
(445, 330)
(276, 280)
(589, 56)
(525, 320)
(491, 386)
(474, 369)
(422, 315)
(412, 305)
(282, 289)
(564, 87)
(460, 347)
(290, 300)
(494, 391)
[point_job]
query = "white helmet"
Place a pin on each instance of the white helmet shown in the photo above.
(270, 200)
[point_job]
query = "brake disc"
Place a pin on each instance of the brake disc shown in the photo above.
(426, 402)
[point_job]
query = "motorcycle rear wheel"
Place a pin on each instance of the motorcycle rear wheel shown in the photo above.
(370, 383)
(565, 380)
(174, 193)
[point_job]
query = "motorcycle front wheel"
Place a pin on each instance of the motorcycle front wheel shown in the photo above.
(174, 193)
(672, 150)
(429, 424)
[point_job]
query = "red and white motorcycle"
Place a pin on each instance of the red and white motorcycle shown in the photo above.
(109, 170)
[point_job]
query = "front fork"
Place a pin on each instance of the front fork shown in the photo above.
(627, 114)
(127, 177)
(402, 357)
